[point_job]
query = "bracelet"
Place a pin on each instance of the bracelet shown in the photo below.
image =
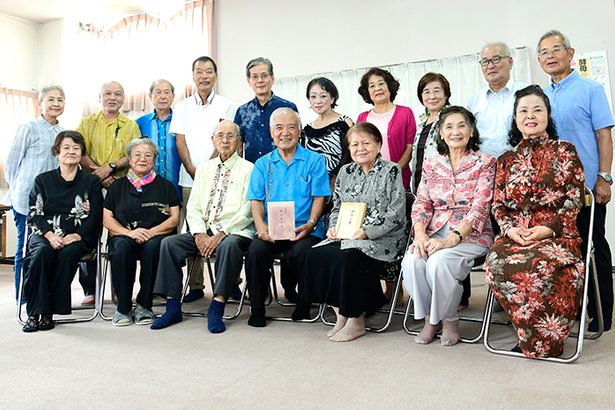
(456, 232)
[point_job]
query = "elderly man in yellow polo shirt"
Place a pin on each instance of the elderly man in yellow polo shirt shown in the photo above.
(107, 135)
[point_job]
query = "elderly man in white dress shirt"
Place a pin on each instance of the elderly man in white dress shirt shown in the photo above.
(194, 118)
(493, 105)
(220, 222)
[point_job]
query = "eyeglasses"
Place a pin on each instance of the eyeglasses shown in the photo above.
(227, 137)
(495, 60)
(256, 77)
(553, 51)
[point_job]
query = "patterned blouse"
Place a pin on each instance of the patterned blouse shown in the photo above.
(385, 221)
(464, 196)
(430, 150)
(329, 142)
(65, 207)
(525, 196)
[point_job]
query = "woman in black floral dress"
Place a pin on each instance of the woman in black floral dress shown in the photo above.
(65, 214)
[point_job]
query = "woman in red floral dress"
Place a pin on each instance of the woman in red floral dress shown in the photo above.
(535, 268)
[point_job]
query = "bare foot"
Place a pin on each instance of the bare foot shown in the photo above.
(347, 334)
(427, 334)
(354, 328)
(341, 322)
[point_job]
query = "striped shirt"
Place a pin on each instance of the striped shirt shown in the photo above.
(29, 155)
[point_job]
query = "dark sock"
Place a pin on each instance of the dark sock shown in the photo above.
(215, 324)
(302, 311)
(257, 317)
(172, 315)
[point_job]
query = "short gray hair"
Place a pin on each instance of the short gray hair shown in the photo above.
(258, 61)
(142, 141)
(502, 45)
(554, 33)
(45, 89)
(283, 111)
(235, 127)
(161, 80)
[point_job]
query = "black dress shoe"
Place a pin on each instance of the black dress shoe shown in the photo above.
(193, 295)
(31, 324)
(302, 311)
(291, 295)
(46, 322)
(257, 317)
(593, 325)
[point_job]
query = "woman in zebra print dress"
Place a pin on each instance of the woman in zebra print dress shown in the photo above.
(325, 135)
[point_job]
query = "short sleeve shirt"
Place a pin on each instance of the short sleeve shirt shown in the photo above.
(146, 209)
(580, 108)
(304, 178)
(253, 121)
(106, 141)
(196, 120)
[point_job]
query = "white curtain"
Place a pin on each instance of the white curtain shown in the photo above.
(462, 72)
(141, 49)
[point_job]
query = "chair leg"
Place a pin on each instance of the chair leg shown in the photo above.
(274, 293)
(185, 291)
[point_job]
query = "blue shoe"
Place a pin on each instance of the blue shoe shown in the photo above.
(172, 315)
(194, 295)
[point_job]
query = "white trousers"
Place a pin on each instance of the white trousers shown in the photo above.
(435, 283)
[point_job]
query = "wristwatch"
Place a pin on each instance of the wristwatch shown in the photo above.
(607, 177)
(113, 166)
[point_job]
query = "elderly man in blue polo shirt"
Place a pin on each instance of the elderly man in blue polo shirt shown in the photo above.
(253, 116)
(582, 116)
(289, 173)
(155, 126)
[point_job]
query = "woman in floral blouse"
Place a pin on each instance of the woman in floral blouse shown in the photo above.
(535, 268)
(450, 220)
(345, 273)
(65, 214)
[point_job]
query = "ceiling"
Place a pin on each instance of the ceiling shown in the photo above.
(86, 11)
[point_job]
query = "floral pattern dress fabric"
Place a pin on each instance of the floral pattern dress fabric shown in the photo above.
(541, 182)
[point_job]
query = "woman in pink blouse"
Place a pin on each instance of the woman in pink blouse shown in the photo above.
(395, 122)
(451, 225)
(397, 125)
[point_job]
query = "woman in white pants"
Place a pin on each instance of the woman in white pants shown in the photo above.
(450, 223)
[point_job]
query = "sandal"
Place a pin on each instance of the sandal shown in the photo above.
(46, 322)
(31, 324)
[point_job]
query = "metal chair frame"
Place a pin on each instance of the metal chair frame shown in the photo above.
(275, 297)
(581, 336)
(88, 257)
(210, 272)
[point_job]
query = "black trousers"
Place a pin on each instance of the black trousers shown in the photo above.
(49, 275)
(603, 260)
(123, 255)
(260, 259)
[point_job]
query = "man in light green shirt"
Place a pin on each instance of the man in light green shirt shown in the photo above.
(220, 221)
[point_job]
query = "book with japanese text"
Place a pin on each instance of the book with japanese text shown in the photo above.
(281, 220)
(350, 219)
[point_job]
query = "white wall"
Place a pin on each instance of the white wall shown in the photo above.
(306, 37)
(18, 48)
